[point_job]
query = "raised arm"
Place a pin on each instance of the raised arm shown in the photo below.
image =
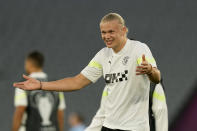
(67, 84)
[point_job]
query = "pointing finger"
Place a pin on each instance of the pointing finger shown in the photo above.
(19, 83)
(20, 86)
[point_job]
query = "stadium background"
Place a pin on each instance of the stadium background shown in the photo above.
(67, 32)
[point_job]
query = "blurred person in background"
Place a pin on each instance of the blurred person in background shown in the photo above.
(38, 110)
(76, 122)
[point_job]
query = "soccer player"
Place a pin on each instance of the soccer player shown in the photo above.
(127, 67)
(38, 110)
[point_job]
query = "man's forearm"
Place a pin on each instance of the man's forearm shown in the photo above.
(61, 119)
(66, 84)
(155, 75)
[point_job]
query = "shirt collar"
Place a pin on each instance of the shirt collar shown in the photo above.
(124, 49)
(38, 75)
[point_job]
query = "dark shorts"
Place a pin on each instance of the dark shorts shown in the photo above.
(107, 129)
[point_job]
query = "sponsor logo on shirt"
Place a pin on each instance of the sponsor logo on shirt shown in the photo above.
(116, 77)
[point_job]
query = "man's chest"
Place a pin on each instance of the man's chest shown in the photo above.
(118, 68)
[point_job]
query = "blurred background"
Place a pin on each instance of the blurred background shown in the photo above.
(67, 33)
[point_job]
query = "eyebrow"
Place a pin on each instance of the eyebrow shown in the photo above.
(107, 31)
(111, 31)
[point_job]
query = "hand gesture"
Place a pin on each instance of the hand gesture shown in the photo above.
(144, 68)
(29, 84)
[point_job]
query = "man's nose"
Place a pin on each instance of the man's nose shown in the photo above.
(107, 35)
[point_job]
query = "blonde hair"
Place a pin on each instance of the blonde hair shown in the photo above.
(114, 16)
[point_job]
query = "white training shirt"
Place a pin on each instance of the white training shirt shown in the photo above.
(159, 108)
(127, 95)
(98, 120)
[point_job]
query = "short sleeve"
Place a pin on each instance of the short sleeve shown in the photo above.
(20, 98)
(62, 104)
(144, 49)
(94, 70)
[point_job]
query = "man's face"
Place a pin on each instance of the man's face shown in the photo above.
(112, 33)
(28, 65)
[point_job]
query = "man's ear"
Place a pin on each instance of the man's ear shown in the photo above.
(124, 29)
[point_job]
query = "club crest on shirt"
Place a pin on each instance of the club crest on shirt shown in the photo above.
(125, 60)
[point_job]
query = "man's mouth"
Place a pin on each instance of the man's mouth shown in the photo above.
(109, 42)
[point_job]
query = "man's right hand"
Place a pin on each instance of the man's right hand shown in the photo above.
(67, 84)
(29, 84)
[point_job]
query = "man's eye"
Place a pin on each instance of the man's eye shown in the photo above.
(111, 31)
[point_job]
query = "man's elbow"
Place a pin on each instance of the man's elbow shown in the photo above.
(80, 82)
(20, 109)
(76, 85)
(157, 81)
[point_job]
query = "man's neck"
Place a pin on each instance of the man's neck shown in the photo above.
(116, 50)
(36, 70)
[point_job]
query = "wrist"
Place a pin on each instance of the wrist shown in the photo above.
(40, 85)
(151, 70)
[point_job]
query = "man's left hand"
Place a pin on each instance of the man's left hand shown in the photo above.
(144, 68)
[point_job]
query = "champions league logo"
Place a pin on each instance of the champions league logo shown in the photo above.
(125, 60)
(44, 102)
(45, 112)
